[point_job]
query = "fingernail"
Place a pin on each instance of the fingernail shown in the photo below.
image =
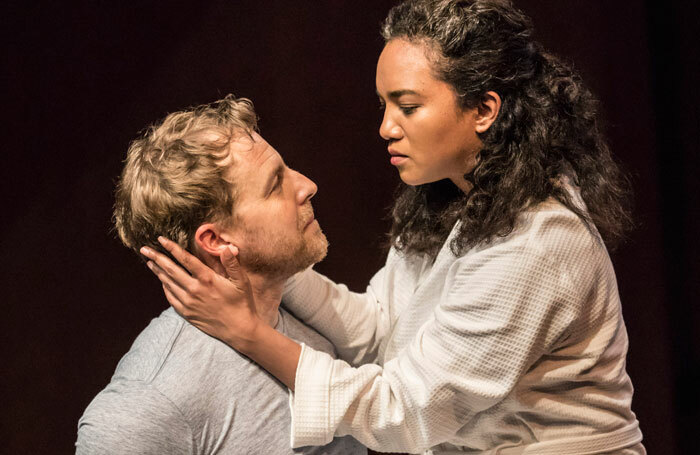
(233, 250)
(149, 264)
(162, 240)
(146, 251)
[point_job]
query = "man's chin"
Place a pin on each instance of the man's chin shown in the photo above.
(321, 256)
(290, 267)
(316, 253)
(322, 247)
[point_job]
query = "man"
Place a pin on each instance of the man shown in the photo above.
(207, 179)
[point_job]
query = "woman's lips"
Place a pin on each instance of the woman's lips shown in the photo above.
(396, 157)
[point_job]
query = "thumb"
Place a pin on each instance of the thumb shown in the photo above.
(229, 259)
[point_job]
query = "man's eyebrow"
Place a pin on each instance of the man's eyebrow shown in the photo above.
(399, 93)
(271, 178)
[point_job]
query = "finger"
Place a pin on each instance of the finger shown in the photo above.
(188, 261)
(229, 260)
(164, 278)
(174, 271)
(174, 302)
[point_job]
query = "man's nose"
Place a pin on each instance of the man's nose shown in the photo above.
(306, 188)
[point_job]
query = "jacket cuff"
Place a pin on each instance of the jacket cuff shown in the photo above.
(310, 401)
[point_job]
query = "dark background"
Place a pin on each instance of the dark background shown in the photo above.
(79, 80)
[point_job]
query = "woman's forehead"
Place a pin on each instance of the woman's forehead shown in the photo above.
(403, 65)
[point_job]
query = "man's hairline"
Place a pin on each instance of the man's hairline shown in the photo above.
(237, 133)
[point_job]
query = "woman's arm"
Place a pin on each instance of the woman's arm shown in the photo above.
(355, 323)
(503, 310)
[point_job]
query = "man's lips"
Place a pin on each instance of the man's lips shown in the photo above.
(308, 223)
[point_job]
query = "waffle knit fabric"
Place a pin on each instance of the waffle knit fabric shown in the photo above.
(515, 347)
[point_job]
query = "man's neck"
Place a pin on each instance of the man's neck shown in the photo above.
(268, 296)
(267, 291)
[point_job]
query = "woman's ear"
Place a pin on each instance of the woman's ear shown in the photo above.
(211, 239)
(487, 111)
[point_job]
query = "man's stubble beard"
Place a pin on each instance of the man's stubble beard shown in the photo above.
(274, 256)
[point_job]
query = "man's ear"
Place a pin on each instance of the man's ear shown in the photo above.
(487, 110)
(211, 239)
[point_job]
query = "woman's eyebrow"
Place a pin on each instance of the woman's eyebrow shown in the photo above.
(399, 93)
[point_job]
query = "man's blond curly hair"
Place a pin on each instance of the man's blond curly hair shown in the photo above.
(175, 176)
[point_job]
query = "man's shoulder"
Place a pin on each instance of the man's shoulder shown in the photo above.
(194, 390)
(172, 381)
(178, 359)
(133, 417)
(174, 361)
(151, 348)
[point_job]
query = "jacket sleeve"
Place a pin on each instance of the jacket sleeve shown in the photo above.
(354, 322)
(502, 309)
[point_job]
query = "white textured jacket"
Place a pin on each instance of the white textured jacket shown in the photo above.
(514, 347)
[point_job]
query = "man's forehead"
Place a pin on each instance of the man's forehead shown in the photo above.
(251, 148)
(254, 163)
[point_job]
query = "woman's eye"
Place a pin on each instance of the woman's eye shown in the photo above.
(408, 110)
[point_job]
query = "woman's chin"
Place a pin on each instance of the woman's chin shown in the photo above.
(414, 180)
(409, 179)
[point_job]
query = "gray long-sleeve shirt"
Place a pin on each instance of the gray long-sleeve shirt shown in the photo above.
(180, 391)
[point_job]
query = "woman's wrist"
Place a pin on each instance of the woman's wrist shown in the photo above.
(245, 341)
(272, 350)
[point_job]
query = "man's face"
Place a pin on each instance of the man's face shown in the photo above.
(273, 222)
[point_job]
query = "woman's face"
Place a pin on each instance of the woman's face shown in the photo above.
(430, 137)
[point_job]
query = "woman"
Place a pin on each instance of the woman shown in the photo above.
(495, 325)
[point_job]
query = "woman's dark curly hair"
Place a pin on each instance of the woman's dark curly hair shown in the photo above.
(547, 127)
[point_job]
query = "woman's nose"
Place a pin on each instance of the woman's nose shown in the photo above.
(389, 129)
